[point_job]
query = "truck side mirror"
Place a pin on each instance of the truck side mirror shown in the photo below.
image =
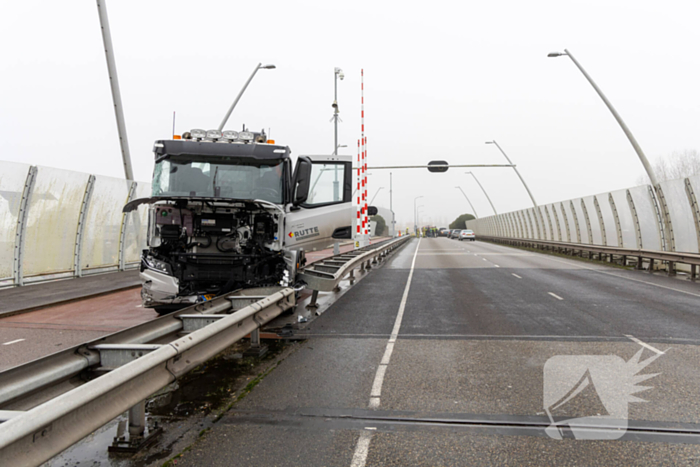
(342, 233)
(301, 181)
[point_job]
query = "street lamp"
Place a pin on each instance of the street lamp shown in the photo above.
(534, 203)
(337, 73)
(375, 195)
(228, 114)
(415, 221)
(628, 133)
(391, 205)
(470, 203)
(482, 189)
(632, 140)
(419, 211)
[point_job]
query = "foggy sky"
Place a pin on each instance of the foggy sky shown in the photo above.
(441, 78)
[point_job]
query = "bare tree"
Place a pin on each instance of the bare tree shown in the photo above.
(679, 164)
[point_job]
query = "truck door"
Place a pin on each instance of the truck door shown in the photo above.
(327, 207)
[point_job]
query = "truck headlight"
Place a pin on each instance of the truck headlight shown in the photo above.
(157, 265)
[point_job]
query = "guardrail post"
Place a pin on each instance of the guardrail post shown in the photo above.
(137, 419)
(640, 263)
(651, 265)
(671, 268)
(314, 297)
(256, 348)
(693, 271)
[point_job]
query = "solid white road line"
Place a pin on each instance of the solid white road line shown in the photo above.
(359, 459)
(360, 456)
(13, 342)
(645, 345)
(516, 275)
(555, 296)
(378, 381)
(497, 265)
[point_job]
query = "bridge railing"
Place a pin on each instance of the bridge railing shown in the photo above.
(630, 218)
(58, 223)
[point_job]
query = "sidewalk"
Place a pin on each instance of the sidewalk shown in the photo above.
(30, 297)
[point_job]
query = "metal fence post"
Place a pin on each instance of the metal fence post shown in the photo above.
(635, 217)
(695, 208)
(566, 222)
(20, 233)
(588, 222)
(556, 221)
(659, 218)
(77, 268)
(618, 225)
(124, 226)
(137, 419)
(603, 233)
(666, 218)
(549, 222)
(576, 223)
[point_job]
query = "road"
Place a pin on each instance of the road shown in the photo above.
(437, 358)
(80, 317)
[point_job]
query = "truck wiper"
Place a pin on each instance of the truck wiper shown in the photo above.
(217, 190)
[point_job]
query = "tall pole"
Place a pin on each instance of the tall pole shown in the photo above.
(482, 189)
(470, 203)
(238, 97)
(391, 206)
(633, 141)
(534, 203)
(114, 85)
(415, 220)
(336, 184)
(625, 129)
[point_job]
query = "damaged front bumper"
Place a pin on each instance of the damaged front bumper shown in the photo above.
(159, 289)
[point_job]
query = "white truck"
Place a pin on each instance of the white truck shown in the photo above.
(228, 211)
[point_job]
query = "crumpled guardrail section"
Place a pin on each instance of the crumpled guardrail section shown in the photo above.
(38, 434)
(325, 275)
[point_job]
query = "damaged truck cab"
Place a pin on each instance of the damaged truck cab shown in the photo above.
(227, 211)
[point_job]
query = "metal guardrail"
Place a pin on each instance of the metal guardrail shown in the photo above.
(50, 403)
(609, 252)
(324, 275)
(133, 371)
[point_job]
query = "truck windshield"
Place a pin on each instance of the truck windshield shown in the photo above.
(227, 178)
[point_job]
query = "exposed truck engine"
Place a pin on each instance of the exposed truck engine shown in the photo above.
(227, 212)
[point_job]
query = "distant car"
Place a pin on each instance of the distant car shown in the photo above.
(467, 235)
(443, 232)
(454, 233)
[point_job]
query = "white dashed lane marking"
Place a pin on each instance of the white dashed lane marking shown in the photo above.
(555, 296)
(13, 342)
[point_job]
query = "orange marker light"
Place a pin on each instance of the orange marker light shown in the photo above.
(270, 141)
(177, 137)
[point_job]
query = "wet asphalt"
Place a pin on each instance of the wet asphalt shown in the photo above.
(464, 383)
